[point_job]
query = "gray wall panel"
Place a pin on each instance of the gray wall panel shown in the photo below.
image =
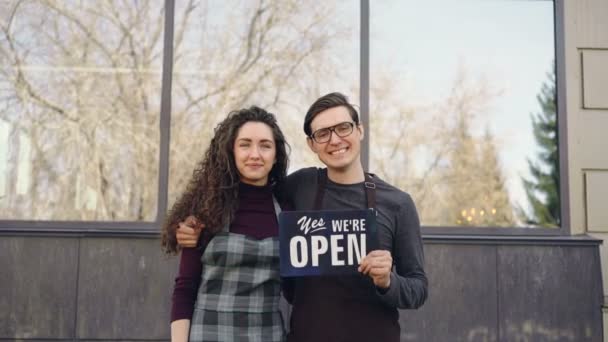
(549, 294)
(37, 287)
(462, 296)
(125, 289)
(120, 290)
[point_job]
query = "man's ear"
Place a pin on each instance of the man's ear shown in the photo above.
(311, 144)
(361, 131)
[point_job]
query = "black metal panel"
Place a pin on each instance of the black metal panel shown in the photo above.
(364, 80)
(36, 340)
(165, 112)
(562, 116)
(576, 240)
(549, 293)
(462, 296)
(124, 289)
(38, 287)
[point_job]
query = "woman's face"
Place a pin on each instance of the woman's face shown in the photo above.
(254, 152)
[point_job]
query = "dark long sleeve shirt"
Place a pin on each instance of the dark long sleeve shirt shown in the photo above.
(255, 217)
(352, 308)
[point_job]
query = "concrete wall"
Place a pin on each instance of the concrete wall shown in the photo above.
(84, 288)
(111, 289)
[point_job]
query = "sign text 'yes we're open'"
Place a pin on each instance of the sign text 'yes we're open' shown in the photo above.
(325, 242)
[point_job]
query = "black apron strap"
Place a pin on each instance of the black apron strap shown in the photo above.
(370, 190)
(321, 181)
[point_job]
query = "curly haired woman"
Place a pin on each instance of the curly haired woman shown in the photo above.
(229, 286)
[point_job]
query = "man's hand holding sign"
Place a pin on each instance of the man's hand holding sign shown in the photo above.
(378, 264)
(188, 232)
(332, 243)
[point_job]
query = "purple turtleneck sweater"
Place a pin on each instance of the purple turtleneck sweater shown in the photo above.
(254, 217)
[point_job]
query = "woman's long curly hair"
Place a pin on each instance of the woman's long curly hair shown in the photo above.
(212, 193)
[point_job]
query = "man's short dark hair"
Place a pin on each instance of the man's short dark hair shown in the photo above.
(326, 102)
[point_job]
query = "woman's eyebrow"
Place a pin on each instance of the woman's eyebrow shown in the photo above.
(250, 140)
(267, 140)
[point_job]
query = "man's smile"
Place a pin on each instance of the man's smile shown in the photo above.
(338, 152)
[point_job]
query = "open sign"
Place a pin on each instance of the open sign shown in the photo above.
(327, 242)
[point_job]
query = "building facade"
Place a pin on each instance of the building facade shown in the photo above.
(98, 273)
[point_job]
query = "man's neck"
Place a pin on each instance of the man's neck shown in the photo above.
(353, 174)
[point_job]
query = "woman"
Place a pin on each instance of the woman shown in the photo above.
(234, 272)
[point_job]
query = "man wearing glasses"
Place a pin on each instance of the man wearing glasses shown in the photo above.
(362, 307)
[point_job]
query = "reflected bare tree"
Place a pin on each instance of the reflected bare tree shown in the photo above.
(81, 84)
(80, 88)
(268, 53)
(432, 152)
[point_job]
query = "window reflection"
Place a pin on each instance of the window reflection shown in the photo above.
(279, 55)
(79, 109)
(462, 109)
(454, 109)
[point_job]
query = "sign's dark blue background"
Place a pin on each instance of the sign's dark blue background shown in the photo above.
(289, 228)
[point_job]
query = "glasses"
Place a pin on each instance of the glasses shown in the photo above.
(342, 130)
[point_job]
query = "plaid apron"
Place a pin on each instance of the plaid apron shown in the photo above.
(238, 299)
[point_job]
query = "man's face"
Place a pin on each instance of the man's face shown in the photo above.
(339, 153)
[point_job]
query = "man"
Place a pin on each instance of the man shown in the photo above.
(362, 307)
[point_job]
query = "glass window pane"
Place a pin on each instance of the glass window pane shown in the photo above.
(79, 109)
(280, 55)
(463, 109)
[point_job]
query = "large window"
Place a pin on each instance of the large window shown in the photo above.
(79, 106)
(460, 98)
(463, 115)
